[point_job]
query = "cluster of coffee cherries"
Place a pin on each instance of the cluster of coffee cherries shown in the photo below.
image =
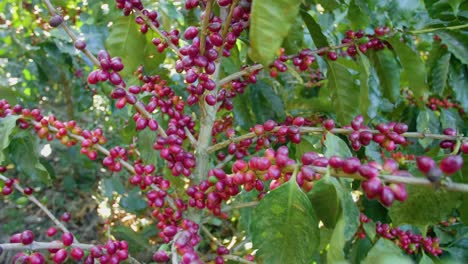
(436, 104)
(410, 242)
(389, 136)
(110, 68)
(111, 252)
(372, 186)
(447, 166)
(92, 138)
(112, 160)
(400, 157)
(451, 144)
(9, 185)
(129, 5)
(185, 239)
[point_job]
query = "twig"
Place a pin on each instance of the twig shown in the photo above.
(154, 28)
(238, 259)
(224, 162)
(33, 199)
(191, 137)
(35, 245)
(211, 236)
(205, 22)
(344, 131)
(138, 106)
(427, 30)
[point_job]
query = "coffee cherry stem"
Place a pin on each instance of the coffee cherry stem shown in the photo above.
(138, 13)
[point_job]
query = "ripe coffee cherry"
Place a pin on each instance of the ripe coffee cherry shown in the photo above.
(335, 162)
(80, 44)
(351, 165)
(36, 258)
(28, 190)
(77, 253)
(399, 191)
(60, 256)
(425, 163)
(55, 21)
(66, 217)
(27, 237)
(390, 165)
(190, 33)
(451, 164)
(51, 231)
(400, 128)
(332, 56)
(329, 124)
(450, 131)
(160, 256)
(368, 172)
(372, 187)
(387, 197)
(464, 147)
(224, 2)
(7, 190)
(67, 239)
(357, 122)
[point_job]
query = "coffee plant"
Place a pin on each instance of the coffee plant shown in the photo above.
(233, 131)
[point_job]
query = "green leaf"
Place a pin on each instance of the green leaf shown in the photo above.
(133, 202)
(293, 42)
(359, 250)
(457, 43)
(438, 69)
(373, 152)
(438, 206)
(315, 30)
(111, 185)
(336, 146)
(126, 41)
(412, 65)
(242, 115)
(7, 125)
(284, 227)
(137, 242)
(425, 260)
(266, 104)
(358, 17)
(343, 92)
(427, 122)
(326, 202)
(23, 153)
(335, 252)
(270, 22)
(388, 71)
(146, 139)
(386, 252)
(458, 79)
(364, 72)
(451, 118)
(464, 209)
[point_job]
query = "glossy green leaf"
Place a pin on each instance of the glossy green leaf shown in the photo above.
(326, 202)
(388, 71)
(438, 69)
(425, 259)
(458, 79)
(359, 250)
(386, 252)
(293, 42)
(427, 122)
(457, 43)
(334, 145)
(284, 227)
(412, 65)
(315, 30)
(137, 241)
(343, 92)
(7, 125)
(24, 154)
(242, 115)
(438, 205)
(124, 36)
(451, 118)
(270, 22)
